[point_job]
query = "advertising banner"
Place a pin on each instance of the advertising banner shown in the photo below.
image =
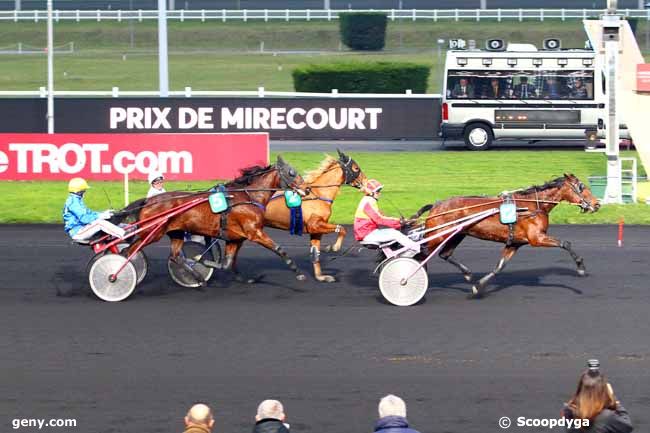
(110, 156)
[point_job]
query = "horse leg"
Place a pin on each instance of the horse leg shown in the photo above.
(506, 255)
(176, 247)
(314, 253)
(544, 240)
(261, 238)
(447, 255)
(326, 228)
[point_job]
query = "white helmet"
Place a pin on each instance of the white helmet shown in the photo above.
(155, 175)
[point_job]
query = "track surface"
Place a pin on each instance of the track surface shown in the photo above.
(329, 352)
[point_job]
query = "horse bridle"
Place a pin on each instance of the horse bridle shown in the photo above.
(578, 188)
(287, 180)
(350, 174)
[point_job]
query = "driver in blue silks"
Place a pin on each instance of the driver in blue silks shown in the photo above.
(80, 222)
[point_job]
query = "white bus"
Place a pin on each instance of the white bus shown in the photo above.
(521, 93)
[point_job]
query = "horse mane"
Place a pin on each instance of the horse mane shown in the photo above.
(555, 183)
(248, 174)
(326, 164)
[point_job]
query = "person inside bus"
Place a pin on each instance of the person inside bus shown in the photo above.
(494, 90)
(523, 90)
(553, 89)
(463, 89)
(578, 91)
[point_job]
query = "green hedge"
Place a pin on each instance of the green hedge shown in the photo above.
(378, 77)
(363, 30)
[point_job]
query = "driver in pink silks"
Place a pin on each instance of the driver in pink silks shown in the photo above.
(368, 218)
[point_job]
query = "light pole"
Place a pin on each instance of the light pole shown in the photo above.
(163, 70)
(50, 69)
(611, 37)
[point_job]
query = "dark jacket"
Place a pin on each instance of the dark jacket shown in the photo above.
(270, 425)
(393, 424)
(608, 421)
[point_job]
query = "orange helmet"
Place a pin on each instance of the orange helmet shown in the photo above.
(373, 186)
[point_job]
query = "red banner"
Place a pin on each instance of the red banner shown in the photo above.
(643, 77)
(110, 156)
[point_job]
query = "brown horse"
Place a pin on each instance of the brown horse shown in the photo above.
(530, 228)
(324, 184)
(244, 220)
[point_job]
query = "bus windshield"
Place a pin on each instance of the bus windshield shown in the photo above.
(520, 84)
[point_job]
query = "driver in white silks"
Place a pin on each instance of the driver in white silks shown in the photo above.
(156, 184)
(368, 218)
(81, 223)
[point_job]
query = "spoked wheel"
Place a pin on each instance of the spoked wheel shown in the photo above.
(105, 284)
(394, 286)
(191, 255)
(139, 261)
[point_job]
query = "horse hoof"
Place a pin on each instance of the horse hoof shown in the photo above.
(582, 272)
(326, 279)
(301, 277)
(475, 293)
(328, 249)
(468, 277)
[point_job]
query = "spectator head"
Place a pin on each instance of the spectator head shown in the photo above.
(463, 81)
(392, 405)
(523, 80)
(200, 415)
(592, 396)
(577, 83)
(494, 81)
(270, 409)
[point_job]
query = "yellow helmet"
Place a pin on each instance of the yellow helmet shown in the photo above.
(77, 184)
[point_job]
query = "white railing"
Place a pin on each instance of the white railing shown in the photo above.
(317, 14)
(261, 92)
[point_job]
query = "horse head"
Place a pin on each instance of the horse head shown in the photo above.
(576, 192)
(289, 177)
(352, 173)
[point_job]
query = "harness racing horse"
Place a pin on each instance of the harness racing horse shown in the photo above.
(530, 227)
(244, 220)
(323, 185)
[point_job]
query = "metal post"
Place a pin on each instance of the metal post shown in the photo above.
(17, 5)
(163, 70)
(612, 21)
(50, 69)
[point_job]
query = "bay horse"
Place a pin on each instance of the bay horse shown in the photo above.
(530, 228)
(323, 185)
(243, 220)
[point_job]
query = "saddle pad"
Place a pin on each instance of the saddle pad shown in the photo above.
(218, 202)
(508, 213)
(292, 199)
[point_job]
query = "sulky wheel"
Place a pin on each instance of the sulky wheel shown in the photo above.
(191, 255)
(394, 286)
(105, 284)
(139, 261)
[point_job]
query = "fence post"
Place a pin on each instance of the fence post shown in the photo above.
(20, 47)
(409, 91)
(43, 92)
(182, 15)
(223, 15)
(56, 17)
(119, 15)
(392, 14)
(435, 15)
(77, 15)
(116, 92)
(245, 15)
(126, 188)
(286, 12)
(584, 14)
(455, 14)
(188, 92)
(499, 15)
(521, 15)
(202, 15)
(335, 92)
(99, 16)
(266, 15)
(260, 92)
(541, 14)
(140, 15)
(478, 16)
(35, 16)
(329, 15)
(414, 15)
(308, 15)
(562, 14)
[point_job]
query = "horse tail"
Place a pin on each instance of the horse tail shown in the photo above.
(129, 214)
(422, 210)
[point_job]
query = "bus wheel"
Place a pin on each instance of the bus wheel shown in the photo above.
(478, 136)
